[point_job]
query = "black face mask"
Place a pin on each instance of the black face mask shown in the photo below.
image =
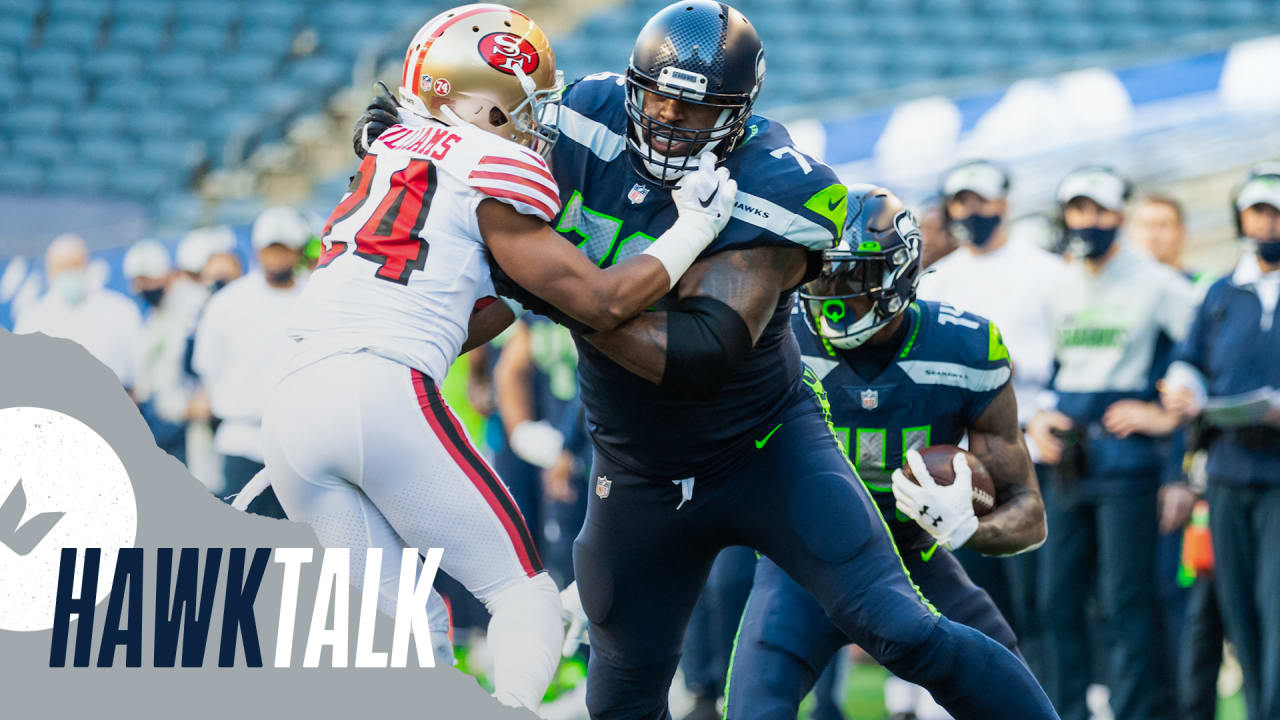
(975, 229)
(1269, 251)
(1095, 241)
(281, 277)
(217, 285)
(153, 296)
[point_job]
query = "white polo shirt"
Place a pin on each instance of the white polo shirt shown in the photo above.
(1010, 287)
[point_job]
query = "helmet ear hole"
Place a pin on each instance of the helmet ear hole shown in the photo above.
(497, 118)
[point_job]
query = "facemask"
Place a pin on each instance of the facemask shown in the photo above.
(218, 284)
(70, 284)
(1092, 242)
(281, 277)
(975, 229)
(153, 296)
(1269, 251)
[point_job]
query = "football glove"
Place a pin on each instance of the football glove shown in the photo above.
(704, 202)
(574, 618)
(382, 113)
(944, 511)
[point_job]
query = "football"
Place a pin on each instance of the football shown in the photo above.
(938, 460)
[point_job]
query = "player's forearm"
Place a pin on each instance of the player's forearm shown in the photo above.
(486, 324)
(1015, 526)
(639, 346)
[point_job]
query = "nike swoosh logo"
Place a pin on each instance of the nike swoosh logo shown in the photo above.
(18, 536)
(760, 443)
(833, 205)
(926, 555)
(712, 196)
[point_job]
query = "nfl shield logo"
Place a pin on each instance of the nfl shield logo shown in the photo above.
(603, 486)
(638, 193)
(870, 399)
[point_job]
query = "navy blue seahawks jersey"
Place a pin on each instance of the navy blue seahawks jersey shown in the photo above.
(612, 212)
(952, 364)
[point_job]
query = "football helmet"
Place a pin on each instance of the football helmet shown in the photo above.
(489, 66)
(700, 52)
(878, 258)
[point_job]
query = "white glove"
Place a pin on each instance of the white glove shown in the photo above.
(706, 195)
(574, 618)
(704, 201)
(944, 511)
(537, 443)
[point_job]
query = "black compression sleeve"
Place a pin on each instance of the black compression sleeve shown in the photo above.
(706, 339)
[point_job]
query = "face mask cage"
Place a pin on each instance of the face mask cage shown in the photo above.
(829, 310)
(734, 109)
(538, 115)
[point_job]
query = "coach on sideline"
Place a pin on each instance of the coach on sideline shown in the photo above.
(1233, 348)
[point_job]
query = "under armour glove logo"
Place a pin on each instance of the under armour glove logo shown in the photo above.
(18, 536)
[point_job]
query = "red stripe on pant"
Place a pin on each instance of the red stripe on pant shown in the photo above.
(454, 439)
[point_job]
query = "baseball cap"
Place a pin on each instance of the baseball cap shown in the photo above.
(1260, 190)
(1098, 184)
(199, 244)
(281, 225)
(146, 258)
(979, 176)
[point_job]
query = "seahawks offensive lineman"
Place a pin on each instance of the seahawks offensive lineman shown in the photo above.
(359, 442)
(902, 375)
(706, 432)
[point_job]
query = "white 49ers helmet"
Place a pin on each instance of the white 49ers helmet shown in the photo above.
(489, 66)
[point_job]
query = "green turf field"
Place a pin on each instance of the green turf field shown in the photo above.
(864, 697)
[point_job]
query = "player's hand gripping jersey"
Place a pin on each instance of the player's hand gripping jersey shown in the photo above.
(613, 212)
(404, 262)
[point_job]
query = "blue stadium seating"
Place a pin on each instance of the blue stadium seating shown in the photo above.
(230, 68)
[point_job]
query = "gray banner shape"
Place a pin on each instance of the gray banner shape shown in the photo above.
(175, 510)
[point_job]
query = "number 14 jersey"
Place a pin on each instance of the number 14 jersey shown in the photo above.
(404, 263)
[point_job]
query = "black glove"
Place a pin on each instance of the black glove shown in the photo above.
(506, 287)
(381, 114)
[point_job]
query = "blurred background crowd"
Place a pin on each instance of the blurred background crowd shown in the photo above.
(167, 167)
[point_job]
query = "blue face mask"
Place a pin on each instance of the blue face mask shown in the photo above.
(153, 296)
(1269, 252)
(1095, 241)
(975, 229)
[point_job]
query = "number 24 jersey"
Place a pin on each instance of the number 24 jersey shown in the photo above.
(404, 262)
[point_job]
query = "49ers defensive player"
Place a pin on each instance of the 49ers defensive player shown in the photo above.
(359, 442)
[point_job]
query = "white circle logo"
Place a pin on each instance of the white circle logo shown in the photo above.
(61, 485)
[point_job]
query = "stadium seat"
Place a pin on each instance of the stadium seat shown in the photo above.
(20, 120)
(211, 41)
(14, 33)
(21, 175)
(61, 90)
(198, 96)
(112, 63)
(128, 94)
(107, 152)
(243, 69)
(97, 120)
(41, 146)
(24, 11)
(178, 66)
(216, 15)
(148, 13)
(345, 16)
(177, 159)
(48, 62)
(262, 40)
(72, 34)
(140, 36)
(76, 179)
(10, 91)
(272, 14)
(143, 183)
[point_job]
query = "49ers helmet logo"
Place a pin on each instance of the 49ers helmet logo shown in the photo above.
(506, 52)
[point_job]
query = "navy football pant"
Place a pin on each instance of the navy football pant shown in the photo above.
(786, 639)
(709, 638)
(642, 559)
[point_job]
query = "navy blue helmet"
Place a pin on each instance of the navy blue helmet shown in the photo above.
(878, 259)
(703, 53)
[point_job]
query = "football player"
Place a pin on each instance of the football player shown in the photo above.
(706, 432)
(360, 443)
(902, 374)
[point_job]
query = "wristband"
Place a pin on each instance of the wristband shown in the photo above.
(678, 247)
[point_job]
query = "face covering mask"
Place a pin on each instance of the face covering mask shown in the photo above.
(153, 296)
(218, 284)
(1095, 241)
(70, 284)
(280, 278)
(975, 229)
(1269, 251)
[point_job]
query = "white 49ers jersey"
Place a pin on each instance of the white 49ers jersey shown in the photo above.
(404, 263)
